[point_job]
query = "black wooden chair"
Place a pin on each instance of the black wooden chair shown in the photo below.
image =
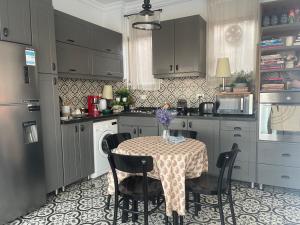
(212, 185)
(134, 188)
(184, 133)
(110, 143)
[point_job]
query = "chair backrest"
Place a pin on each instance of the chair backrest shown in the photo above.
(226, 162)
(130, 164)
(184, 133)
(113, 140)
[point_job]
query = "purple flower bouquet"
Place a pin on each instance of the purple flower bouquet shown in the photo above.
(164, 117)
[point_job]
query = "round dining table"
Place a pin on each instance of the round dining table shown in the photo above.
(172, 164)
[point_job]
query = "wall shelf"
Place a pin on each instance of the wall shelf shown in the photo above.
(281, 70)
(294, 27)
(279, 49)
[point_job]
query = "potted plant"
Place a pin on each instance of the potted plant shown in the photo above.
(243, 79)
(124, 98)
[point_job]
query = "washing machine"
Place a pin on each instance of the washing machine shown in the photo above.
(101, 131)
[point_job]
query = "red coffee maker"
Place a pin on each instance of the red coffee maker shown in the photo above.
(93, 102)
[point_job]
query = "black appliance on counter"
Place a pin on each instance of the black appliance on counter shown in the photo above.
(182, 109)
(208, 108)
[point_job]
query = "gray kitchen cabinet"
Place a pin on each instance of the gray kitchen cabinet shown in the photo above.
(208, 133)
(244, 134)
(78, 156)
(71, 153)
(72, 30)
(43, 35)
(190, 47)
(106, 40)
(107, 65)
(51, 131)
(86, 148)
(73, 59)
(163, 49)
(177, 124)
(278, 164)
(138, 126)
(15, 21)
(179, 48)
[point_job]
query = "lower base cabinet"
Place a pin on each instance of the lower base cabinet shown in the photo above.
(278, 164)
(78, 155)
(138, 126)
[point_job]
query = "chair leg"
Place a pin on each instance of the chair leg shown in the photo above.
(181, 220)
(187, 205)
(231, 208)
(166, 220)
(220, 204)
(108, 202)
(135, 208)
(124, 213)
(145, 212)
(175, 218)
(116, 209)
(197, 206)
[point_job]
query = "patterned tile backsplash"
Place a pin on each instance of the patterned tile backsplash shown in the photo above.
(75, 91)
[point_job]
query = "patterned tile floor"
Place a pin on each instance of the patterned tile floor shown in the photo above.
(84, 203)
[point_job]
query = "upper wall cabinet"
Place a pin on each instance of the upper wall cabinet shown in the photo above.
(179, 48)
(106, 40)
(43, 35)
(72, 30)
(15, 21)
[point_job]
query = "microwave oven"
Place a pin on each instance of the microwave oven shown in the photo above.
(235, 104)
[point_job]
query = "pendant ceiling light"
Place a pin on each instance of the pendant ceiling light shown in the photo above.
(147, 19)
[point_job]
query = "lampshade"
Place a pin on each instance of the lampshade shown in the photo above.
(107, 92)
(223, 68)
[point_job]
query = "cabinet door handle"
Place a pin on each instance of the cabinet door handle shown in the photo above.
(237, 135)
(5, 32)
(190, 124)
(237, 167)
(55, 81)
(285, 177)
(177, 67)
(70, 40)
(237, 128)
(76, 129)
(171, 68)
(140, 130)
(134, 131)
(285, 155)
(72, 70)
(82, 128)
(53, 66)
(109, 73)
(183, 124)
(108, 50)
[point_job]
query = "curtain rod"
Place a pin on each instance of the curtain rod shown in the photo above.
(133, 14)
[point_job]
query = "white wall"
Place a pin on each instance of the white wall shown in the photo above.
(80, 9)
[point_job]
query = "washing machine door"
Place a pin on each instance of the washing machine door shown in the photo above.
(103, 146)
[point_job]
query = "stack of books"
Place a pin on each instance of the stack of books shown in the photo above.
(273, 84)
(272, 43)
(297, 40)
(272, 62)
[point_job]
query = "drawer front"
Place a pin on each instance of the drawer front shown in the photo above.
(238, 125)
(285, 154)
(138, 121)
(246, 141)
(278, 176)
(240, 171)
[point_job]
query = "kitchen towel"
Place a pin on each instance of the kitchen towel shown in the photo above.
(285, 118)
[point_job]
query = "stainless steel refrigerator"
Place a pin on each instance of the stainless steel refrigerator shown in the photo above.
(22, 179)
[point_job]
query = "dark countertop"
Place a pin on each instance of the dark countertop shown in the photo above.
(116, 115)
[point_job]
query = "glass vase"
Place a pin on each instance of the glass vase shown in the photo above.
(166, 134)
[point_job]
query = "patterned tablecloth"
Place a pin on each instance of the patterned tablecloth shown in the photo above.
(173, 163)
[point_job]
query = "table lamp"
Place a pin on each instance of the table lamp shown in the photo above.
(107, 92)
(223, 69)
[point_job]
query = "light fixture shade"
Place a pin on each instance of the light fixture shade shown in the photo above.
(107, 92)
(147, 20)
(223, 68)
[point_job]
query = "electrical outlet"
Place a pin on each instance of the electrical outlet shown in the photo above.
(200, 95)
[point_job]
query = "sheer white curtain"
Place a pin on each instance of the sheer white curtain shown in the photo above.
(232, 32)
(138, 58)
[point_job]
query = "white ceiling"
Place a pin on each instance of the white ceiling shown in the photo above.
(113, 1)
